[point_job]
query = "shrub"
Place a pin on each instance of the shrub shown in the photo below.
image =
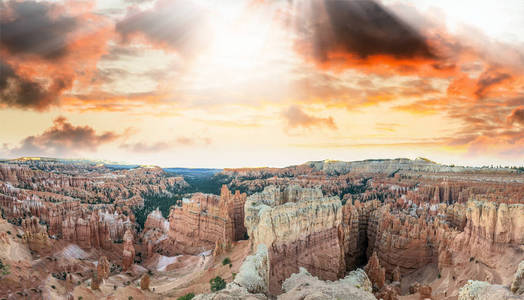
(53, 287)
(471, 259)
(217, 284)
(60, 275)
(439, 275)
(187, 297)
(4, 268)
(226, 261)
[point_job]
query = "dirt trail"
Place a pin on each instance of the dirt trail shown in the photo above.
(193, 275)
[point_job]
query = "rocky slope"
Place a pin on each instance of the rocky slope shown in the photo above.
(253, 278)
(480, 290)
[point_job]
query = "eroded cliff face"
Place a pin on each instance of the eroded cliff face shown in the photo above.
(356, 229)
(205, 222)
(98, 230)
(413, 239)
(198, 224)
(301, 228)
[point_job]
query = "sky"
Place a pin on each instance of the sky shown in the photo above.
(232, 83)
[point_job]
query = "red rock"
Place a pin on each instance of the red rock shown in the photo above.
(376, 273)
(103, 268)
(128, 254)
(205, 220)
(425, 292)
(144, 282)
(396, 274)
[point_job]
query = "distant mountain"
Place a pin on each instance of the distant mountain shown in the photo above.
(193, 172)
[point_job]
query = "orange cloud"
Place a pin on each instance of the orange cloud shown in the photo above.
(46, 49)
(63, 138)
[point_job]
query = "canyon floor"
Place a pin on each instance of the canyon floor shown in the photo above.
(375, 229)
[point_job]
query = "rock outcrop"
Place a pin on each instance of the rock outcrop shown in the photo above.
(205, 222)
(481, 290)
(35, 234)
(235, 209)
(396, 274)
(95, 281)
(517, 285)
(128, 254)
(103, 268)
(144, 282)
(303, 285)
(253, 274)
(375, 272)
(300, 228)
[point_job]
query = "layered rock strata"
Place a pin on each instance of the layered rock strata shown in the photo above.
(301, 228)
(205, 222)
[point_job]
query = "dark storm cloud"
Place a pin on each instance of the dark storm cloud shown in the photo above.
(177, 24)
(361, 28)
(19, 92)
(64, 138)
(29, 28)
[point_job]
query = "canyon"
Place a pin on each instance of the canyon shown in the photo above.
(376, 229)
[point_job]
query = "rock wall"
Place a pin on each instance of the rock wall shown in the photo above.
(97, 230)
(355, 225)
(235, 208)
(205, 222)
(301, 228)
